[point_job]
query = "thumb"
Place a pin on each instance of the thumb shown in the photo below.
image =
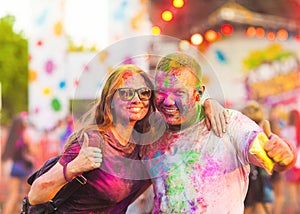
(267, 128)
(85, 141)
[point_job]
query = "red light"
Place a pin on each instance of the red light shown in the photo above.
(282, 34)
(260, 32)
(271, 36)
(227, 29)
(250, 32)
(167, 15)
(297, 38)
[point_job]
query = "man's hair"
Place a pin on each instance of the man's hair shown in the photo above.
(179, 60)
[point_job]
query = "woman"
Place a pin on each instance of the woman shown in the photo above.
(17, 149)
(119, 120)
(291, 132)
(259, 198)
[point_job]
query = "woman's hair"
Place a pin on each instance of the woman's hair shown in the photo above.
(100, 117)
(16, 129)
(254, 111)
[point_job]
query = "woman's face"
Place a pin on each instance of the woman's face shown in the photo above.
(130, 102)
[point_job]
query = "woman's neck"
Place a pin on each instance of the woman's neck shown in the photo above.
(122, 132)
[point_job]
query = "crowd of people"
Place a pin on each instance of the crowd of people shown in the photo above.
(191, 155)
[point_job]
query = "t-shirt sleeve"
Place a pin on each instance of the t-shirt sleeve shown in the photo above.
(242, 131)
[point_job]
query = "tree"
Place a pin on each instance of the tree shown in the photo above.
(13, 69)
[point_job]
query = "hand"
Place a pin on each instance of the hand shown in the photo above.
(216, 116)
(89, 158)
(276, 148)
(279, 151)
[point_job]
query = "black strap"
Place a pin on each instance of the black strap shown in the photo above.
(53, 205)
(66, 192)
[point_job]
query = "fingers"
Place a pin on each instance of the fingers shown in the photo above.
(267, 128)
(91, 158)
(279, 151)
(226, 117)
(207, 123)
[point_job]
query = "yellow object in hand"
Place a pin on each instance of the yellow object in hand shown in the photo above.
(257, 148)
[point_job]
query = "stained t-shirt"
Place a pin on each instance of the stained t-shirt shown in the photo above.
(195, 171)
(112, 187)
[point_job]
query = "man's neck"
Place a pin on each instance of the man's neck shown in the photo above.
(198, 117)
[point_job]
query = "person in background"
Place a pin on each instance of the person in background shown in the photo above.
(115, 124)
(277, 177)
(260, 195)
(192, 170)
(291, 132)
(18, 149)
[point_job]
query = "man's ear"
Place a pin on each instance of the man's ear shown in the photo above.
(201, 92)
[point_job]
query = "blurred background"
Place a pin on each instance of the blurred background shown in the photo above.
(253, 48)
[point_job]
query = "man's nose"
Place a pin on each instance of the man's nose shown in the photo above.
(169, 100)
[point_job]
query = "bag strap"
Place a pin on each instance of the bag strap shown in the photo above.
(53, 205)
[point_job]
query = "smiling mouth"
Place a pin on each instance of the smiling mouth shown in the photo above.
(170, 111)
(135, 109)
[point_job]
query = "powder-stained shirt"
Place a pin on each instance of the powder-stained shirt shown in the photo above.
(195, 171)
(112, 187)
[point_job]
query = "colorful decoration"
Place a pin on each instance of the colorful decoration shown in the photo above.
(49, 66)
(271, 72)
(46, 91)
(55, 104)
(62, 84)
(32, 76)
(58, 29)
(221, 56)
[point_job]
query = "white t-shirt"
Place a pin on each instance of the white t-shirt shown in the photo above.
(194, 171)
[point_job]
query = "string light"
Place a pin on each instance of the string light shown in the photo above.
(260, 32)
(271, 36)
(196, 39)
(156, 30)
(250, 32)
(227, 29)
(178, 3)
(211, 36)
(282, 34)
(167, 15)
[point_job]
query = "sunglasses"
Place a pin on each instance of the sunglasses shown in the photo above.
(127, 94)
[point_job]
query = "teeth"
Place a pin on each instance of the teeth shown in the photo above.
(170, 110)
(135, 109)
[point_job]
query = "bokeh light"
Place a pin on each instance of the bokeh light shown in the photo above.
(196, 39)
(167, 15)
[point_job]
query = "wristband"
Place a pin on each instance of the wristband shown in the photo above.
(65, 173)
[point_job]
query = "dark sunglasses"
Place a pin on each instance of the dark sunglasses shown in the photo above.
(127, 94)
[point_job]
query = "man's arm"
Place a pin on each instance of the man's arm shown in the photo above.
(273, 154)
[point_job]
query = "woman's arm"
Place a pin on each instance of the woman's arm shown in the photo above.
(216, 116)
(47, 185)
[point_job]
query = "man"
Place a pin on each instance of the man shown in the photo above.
(194, 171)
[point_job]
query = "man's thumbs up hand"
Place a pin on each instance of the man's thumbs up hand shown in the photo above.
(276, 148)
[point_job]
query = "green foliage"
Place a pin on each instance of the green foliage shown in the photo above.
(13, 69)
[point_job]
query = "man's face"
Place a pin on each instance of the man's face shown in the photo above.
(176, 96)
